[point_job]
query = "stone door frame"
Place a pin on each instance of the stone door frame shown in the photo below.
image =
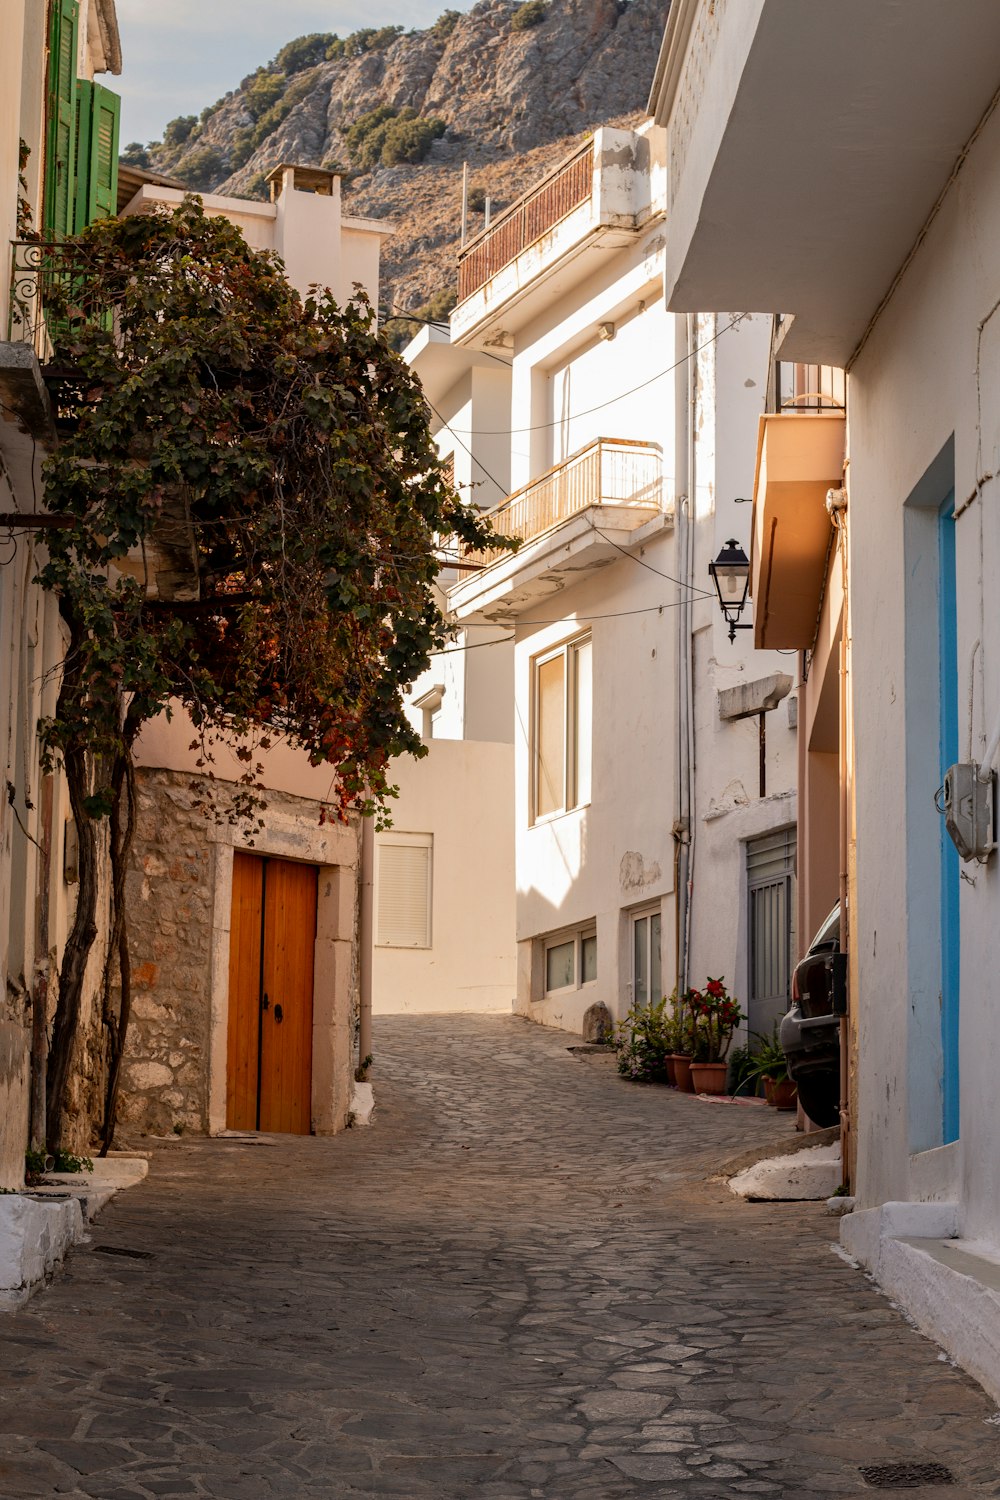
(335, 849)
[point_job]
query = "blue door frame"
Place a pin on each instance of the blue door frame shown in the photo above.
(950, 873)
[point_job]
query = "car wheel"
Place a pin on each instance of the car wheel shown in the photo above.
(819, 1095)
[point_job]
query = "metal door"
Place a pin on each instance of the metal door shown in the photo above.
(770, 883)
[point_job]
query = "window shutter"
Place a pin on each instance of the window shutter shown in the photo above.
(60, 156)
(97, 154)
(404, 893)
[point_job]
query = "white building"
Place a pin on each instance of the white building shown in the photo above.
(303, 223)
(620, 440)
(873, 225)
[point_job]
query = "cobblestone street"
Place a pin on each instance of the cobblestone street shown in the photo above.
(520, 1282)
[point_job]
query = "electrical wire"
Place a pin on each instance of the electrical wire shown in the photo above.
(612, 400)
(694, 589)
(388, 316)
(492, 478)
(617, 614)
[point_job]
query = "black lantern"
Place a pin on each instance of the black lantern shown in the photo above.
(731, 576)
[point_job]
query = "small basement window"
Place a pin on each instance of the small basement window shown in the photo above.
(570, 960)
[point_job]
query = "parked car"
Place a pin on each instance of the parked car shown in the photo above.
(810, 1032)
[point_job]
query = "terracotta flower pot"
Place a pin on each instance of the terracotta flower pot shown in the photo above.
(682, 1073)
(781, 1093)
(709, 1077)
(668, 1063)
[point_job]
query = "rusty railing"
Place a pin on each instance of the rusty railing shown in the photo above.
(564, 189)
(609, 471)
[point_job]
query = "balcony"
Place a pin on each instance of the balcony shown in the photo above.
(39, 273)
(572, 519)
(807, 145)
(602, 195)
(556, 195)
(36, 268)
(799, 458)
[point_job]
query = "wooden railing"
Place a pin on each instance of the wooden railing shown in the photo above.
(567, 186)
(609, 471)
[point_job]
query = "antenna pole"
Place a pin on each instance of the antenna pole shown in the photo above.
(465, 201)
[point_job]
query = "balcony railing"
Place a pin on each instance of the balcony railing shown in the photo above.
(49, 288)
(609, 471)
(564, 189)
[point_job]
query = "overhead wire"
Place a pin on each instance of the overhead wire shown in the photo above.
(617, 614)
(611, 401)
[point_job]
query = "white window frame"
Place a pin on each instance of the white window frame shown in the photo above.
(407, 840)
(574, 795)
(577, 936)
(640, 914)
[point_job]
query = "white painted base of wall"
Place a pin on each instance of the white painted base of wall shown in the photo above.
(362, 1103)
(949, 1287)
(37, 1228)
(805, 1175)
(34, 1237)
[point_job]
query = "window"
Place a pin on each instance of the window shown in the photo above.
(562, 715)
(403, 890)
(647, 972)
(570, 960)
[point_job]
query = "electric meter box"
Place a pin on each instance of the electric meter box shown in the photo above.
(967, 805)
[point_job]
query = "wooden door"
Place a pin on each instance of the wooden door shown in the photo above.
(272, 935)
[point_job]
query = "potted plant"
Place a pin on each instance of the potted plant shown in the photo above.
(716, 1016)
(771, 1067)
(642, 1041)
(684, 1038)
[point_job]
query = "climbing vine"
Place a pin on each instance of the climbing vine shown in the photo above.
(249, 505)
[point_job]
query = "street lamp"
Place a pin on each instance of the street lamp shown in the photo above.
(731, 576)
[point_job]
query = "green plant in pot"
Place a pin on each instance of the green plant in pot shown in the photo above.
(769, 1065)
(642, 1042)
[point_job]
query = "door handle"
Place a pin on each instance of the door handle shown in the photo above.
(277, 1012)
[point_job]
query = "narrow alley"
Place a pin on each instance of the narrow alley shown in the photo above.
(520, 1282)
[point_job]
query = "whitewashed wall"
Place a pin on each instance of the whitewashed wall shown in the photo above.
(598, 862)
(460, 793)
(732, 383)
(912, 388)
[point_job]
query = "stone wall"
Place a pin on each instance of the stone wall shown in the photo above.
(169, 894)
(179, 896)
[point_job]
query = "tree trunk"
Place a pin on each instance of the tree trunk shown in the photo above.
(77, 950)
(122, 834)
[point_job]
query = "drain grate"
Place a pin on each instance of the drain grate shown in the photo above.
(121, 1250)
(905, 1476)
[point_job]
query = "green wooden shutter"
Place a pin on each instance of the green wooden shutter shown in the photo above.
(97, 154)
(60, 157)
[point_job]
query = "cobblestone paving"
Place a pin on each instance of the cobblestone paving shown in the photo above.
(519, 1283)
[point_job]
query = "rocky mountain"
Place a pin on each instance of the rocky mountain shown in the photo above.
(507, 87)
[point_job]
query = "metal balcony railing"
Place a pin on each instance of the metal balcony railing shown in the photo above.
(609, 471)
(48, 288)
(565, 187)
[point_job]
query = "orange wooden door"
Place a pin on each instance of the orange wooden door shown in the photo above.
(272, 935)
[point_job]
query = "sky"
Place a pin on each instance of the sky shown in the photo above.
(184, 54)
